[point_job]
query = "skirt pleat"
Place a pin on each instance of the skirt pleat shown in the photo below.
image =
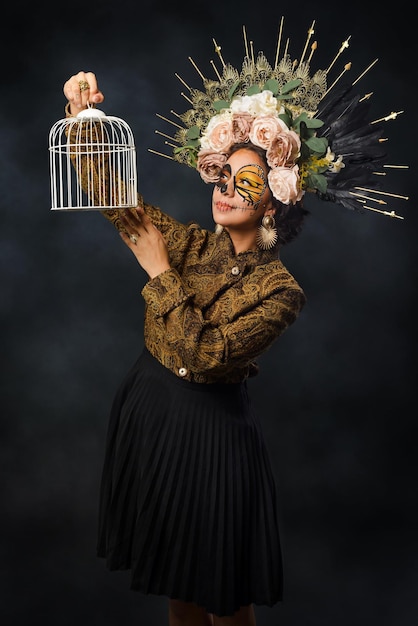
(187, 500)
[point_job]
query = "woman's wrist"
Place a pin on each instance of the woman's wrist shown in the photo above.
(68, 110)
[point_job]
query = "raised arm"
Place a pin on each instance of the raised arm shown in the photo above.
(136, 229)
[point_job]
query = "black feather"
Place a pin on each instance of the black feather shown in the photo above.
(348, 129)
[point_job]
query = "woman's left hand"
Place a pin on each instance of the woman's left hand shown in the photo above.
(145, 241)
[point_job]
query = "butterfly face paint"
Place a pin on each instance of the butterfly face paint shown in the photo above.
(249, 182)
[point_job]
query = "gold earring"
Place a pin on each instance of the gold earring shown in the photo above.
(267, 233)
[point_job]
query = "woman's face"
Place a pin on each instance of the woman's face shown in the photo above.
(242, 195)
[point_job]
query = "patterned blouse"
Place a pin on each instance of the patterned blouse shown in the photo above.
(214, 312)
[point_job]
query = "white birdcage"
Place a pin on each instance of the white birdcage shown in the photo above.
(103, 149)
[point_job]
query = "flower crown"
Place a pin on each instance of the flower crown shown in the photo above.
(334, 151)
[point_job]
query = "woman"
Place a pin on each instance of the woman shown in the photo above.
(188, 498)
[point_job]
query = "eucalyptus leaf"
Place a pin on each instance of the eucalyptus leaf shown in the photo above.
(301, 128)
(305, 132)
(317, 144)
(253, 89)
(193, 133)
(218, 105)
(182, 148)
(233, 90)
(272, 85)
(317, 181)
(310, 122)
(303, 117)
(286, 118)
(290, 86)
(314, 122)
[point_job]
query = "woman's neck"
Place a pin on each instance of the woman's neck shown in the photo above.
(243, 240)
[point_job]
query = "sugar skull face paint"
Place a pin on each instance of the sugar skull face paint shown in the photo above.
(249, 182)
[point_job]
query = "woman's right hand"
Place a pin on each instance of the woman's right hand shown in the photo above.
(145, 241)
(82, 89)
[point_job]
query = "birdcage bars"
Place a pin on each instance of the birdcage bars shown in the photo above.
(103, 148)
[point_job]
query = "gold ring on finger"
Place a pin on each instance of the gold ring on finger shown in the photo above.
(83, 84)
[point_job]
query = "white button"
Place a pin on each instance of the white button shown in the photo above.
(182, 371)
(235, 271)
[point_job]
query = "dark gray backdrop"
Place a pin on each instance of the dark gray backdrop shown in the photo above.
(336, 393)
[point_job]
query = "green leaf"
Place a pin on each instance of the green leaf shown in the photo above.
(191, 156)
(303, 131)
(182, 148)
(272, 85)
(284, 96)
(317, 181)
(303, 117)
(317, 144)
(299, 124)
(193, 133)
(233, 90)
(253, 89)
(286, 118)
(311, 122)
(218, 105)
(290, 86)
(314, 122)
(304, 152)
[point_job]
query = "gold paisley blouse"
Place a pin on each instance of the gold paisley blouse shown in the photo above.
(210, 316)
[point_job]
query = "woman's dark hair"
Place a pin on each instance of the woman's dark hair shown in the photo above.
(289, 217)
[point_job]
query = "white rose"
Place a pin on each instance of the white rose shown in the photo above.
(263, 103)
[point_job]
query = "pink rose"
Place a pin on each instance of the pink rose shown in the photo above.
(284, 149)
(265, 128)
(209, 165)
(241, 125)
(284, 184)
(218, 135)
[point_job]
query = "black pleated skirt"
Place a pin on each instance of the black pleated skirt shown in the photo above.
(187, 500)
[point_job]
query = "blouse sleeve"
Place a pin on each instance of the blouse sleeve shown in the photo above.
(252, 321)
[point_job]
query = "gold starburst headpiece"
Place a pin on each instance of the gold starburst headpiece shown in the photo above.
(318, 137)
